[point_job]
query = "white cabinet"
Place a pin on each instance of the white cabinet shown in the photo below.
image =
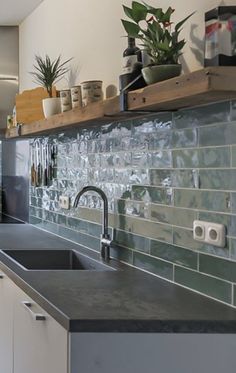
(31, 341)
(40, 343)
(6, 323)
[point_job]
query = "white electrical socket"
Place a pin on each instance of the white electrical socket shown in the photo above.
(211, 233)
(64, 202)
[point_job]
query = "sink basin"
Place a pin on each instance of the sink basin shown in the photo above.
(55, 260)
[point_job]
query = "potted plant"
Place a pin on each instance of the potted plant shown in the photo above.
(47, 74)
(159, 38)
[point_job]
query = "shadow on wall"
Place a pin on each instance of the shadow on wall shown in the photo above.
(14, 187)
(199, 45)
(15, 179)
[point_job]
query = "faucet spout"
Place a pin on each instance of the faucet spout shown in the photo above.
(105, 238)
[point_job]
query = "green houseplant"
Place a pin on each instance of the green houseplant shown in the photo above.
(47, 73)
(159, 38)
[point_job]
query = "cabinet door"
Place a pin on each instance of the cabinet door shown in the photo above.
(40, 343)
(7, 289)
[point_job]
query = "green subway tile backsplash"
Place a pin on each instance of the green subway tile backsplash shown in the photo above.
(218, 267)
(219, 134)
(157, 266)
(174, 254)
(172, 215)
(202, 158)
(211, 286)
(132, 241)
(218, 179)
(203, 200)
(160, 173)
(202, 116)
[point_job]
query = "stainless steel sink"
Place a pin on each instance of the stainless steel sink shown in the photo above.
(55, 260)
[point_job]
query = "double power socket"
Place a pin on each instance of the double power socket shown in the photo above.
(211, 233)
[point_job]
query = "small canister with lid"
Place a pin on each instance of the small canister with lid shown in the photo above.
(65, 96)
(91, 91)
(76, 97)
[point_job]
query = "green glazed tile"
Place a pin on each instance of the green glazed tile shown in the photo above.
(202, 116)
(132, 208)
(131, 241)
(50, 227)
(39, 192)
(172, 215)
(175, 254)
(152, 123)
(94, 229)
(233, 149)
(77, 224)
(35, 221)
(153, 265)
(174, 178)
(141, 159)
(39, 202)
(232, 248)
(92, 215)
(220, 134)
(203, 200)
(234, 286)
(121, 253)
(80, 238)
(161, 141)
(233, 202)
(61, 219)
(54, 218)
(204, 284)
(185, 138)
(202, 158)
(233, 110)
(33, 201)
(140, 142)
(218, 179)
(222, 268)
(161, 159)
(145, 228)
(152, 194)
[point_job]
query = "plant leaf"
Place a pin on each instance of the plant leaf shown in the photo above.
(167, 15)
(139, 11)
(180, 24)
(131, 28)
(128, 12)
(163, 47)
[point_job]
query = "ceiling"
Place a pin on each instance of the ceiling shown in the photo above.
(13, 12)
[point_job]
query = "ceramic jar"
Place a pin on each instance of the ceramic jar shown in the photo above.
(76, 97)
(65, 97)
(91, 91)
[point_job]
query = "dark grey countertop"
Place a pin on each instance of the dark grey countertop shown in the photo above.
(126, 300)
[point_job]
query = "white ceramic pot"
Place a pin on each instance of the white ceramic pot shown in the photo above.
(51, 106)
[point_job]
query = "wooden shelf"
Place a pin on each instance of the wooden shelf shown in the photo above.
(208, 85)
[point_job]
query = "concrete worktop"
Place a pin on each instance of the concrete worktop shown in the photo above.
(122, 300)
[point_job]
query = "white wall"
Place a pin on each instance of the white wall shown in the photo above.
(91, 32)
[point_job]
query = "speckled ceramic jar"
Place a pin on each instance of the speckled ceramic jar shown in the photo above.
(91, 91)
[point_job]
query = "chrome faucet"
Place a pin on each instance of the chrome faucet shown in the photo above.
(105, 241)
